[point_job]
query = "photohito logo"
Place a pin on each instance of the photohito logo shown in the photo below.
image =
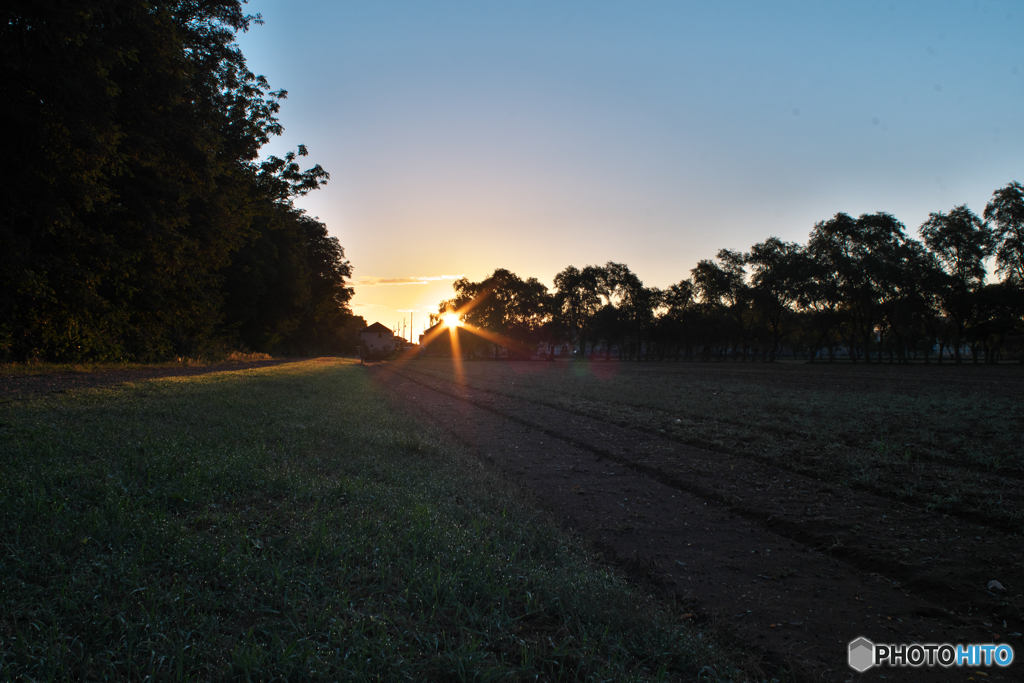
(863, 654)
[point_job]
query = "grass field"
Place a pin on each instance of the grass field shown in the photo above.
(285, 524)
(945, 438)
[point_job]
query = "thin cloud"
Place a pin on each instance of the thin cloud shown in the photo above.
(421, 280)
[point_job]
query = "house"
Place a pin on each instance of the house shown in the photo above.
(378, 340)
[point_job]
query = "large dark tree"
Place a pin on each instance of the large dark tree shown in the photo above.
(780, 271)
(962, 242)
(997, 316)
(886, 253)
(681, 322)
(576, 301)
(1006, 211)
(136, 128)
(286, 291)
(506, 310)
(634, 308)
(723, 288)
(854, 268)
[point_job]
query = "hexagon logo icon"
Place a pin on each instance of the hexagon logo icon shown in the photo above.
(861, 654)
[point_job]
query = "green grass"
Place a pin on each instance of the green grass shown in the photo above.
(944, 438)
(285, 524)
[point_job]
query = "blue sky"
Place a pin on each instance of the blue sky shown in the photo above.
(466, 136)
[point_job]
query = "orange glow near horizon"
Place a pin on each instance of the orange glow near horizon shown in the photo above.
(453, 329)
(498, 339)
(452, 322)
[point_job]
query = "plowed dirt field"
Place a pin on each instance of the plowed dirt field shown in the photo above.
(796, 506)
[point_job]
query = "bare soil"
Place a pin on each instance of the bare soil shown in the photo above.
(790, 567)
(24, 386)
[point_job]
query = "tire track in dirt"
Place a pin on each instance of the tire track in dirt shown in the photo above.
(25, 387)
(942, 464)
(780, 558)
(938, 467)
(990, 547)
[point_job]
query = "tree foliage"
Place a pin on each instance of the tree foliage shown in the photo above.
(860, 288)
(1006, 211)
(576, 301)
(510, 309)
(136, 127)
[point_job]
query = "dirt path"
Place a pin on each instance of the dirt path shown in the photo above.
(28, 386)
(793, 568)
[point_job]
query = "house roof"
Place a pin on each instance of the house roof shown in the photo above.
(378, 328)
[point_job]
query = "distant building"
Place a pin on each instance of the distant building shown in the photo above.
(378, 340)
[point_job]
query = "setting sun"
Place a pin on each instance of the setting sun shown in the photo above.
(452, 320)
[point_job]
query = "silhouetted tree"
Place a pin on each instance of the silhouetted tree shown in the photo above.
(854, 268)
(608, 328)
(860, 282)
(286, 290)
(136, 126)
(780, 270)
(997, 316)
(723, 288)
(681, 319)
(505, 305)
(635, 306)
(962, 242)
(576, 300)
(1006, 211)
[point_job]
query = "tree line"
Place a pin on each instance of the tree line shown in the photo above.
(859, 288)
(137, 220)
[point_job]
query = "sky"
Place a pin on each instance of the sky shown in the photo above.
(462, 137)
